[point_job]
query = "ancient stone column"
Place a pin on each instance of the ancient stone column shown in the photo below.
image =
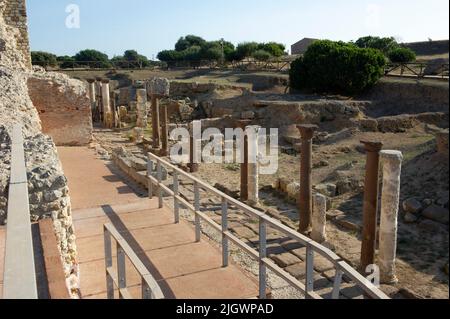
(319, 219)
(390, 202)
(92, 94)
(253, 164)
(193, 147)
(305, 205)
(164, 132)
(157, 88)
(370, 209)
(99, 100)
(155, 122)
(107, 114)
(244, 166)
(141, 108)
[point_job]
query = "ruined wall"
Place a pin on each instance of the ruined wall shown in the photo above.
(15, 16)
(49, 196)
(64, 108)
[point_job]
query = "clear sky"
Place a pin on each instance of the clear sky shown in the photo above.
(149, 26)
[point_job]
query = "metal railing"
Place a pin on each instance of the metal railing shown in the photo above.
(19, 274)
(116, 277)
(307, 288)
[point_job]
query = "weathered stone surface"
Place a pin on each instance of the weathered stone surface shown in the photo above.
(410, 218)
(326, 189)
(63, 106)
(437, 213)
(412, 206)
(158, 86)
(243, 232)
(347, 224)
(284, 260)
(300, 253)
(298, 270)
(333, 214)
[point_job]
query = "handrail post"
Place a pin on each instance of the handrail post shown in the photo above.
(160, 192)
(121, 271)
(262, 256)
(225, 252)
(176, 193)
(309, 284)
(108, 264)
(146, 292)
(337, 284)
(198, 230)
(149, 175)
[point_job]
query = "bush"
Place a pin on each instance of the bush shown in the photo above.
(245, 50)
(66, 62)
(385, 45)
(275, 49)
(43, 59)
(262, 55)
(337, 67)
(100, 59)
(402, 55)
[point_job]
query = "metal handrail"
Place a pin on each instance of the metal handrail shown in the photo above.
(19, 274)
(312, 247)
(149, 286)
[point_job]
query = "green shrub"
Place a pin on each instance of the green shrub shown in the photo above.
(43, 59)
(246, 49)
(93, 58)
(66, 62)
(385, 45)
(402, 55)
(337, 67)
(262, 55)
(275, 49)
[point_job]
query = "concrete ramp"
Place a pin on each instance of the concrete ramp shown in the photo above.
(183, 268)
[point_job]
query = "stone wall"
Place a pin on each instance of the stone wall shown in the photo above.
(49, 194)
(64, 107)
(15, 15)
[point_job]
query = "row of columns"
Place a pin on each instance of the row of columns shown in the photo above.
(313, 210)
(103, 110)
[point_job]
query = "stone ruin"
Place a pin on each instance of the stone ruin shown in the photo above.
(45, 105)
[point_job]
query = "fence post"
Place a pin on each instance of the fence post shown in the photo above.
(121, 271)
(108, 264)
(198, 230)
(262, 256)
(337, 284)
(309, 270)
(149, 174)
(176, 203)
(160, 192)
(224, 229)
(146, 292)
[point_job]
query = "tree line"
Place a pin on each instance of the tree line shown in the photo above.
(195, 49)
(90, 57)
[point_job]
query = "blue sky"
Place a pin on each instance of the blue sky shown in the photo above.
(150, 26)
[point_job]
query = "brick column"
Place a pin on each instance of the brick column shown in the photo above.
(390, 202)
(370, 209)
(164, 132)
(305, 205)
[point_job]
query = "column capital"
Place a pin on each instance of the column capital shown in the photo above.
(90, 80)
(253, 128)
(372, 146)
(105, 81)
(307, 130)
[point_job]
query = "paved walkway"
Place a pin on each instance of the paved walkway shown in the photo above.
(183, 268)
